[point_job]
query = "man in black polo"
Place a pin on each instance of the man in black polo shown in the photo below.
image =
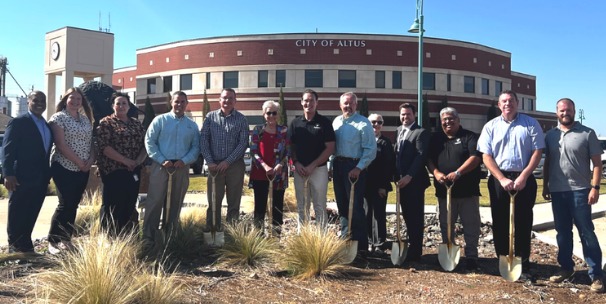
(453, 158)
(312, 141)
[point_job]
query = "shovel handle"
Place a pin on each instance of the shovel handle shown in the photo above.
(352, 192)
(398, 220)
(512, 229)
(449, 185)
(270, 202)
(213, 203)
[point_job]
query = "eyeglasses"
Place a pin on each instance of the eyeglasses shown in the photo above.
(272, 113)
(377, 122)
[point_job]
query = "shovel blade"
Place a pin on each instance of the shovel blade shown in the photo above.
(399, 250)
(214, 239)
(351, 251)
(449, 257)
(510, 267)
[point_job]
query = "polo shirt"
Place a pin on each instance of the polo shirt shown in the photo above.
(448, 154)
(310, 137)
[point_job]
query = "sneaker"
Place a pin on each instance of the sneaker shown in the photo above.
(561, 276)
(53, 248)
(597, 285)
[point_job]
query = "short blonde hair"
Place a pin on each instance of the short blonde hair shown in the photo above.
(268, 104)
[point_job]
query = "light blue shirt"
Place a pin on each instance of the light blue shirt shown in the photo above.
(355, 139)
(511, 144)
(172, 138)
(43, 129)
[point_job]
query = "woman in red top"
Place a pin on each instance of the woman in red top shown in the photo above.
(269, 149)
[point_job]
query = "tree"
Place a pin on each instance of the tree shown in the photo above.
(282, 118)
(493, 112)
(444, 102)
(149, 113)
(363, 109)
(205, 106)
(425, 114)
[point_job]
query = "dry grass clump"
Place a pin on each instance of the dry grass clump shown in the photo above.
(88, 217)
(186, 241)
(245, 245)
(105, 269)
(314, 252)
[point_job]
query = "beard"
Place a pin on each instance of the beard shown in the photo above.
(567, 120)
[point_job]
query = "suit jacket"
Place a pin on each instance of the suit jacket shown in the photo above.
(24, 154)
(381, 169)
(411, 156)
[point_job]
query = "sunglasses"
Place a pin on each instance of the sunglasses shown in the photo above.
(377, 122)
(272, 113)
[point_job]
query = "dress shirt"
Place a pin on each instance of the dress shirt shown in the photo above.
(172, 138)
(224, 138)
(355, 139)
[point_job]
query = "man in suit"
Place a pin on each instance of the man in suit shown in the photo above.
(412, 177)
(27, 144)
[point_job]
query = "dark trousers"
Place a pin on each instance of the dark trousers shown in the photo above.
(342, 188)
(375, 217)
(412, 200)
(261, 189)
(120, 192)
(23, 208)
(70, 186)
(499, 208)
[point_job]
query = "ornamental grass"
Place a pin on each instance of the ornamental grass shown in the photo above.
(245, 245)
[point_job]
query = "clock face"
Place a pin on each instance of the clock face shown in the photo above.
(55, 50)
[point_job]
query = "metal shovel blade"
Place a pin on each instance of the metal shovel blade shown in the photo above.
(399, 249)
(351, 249)
(449, 253)
(214, 238)
(510, 267)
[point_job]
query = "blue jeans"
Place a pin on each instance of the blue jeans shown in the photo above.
(569, 207)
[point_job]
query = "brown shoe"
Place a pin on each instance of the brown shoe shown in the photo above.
(597, 285)
(561, 276)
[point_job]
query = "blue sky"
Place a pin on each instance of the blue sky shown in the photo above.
(561, 42)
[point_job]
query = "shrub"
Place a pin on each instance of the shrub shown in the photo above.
(246, 246)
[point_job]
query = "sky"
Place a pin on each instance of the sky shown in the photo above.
(561, 42)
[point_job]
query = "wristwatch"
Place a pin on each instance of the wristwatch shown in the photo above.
(597, 187)
(458, 173)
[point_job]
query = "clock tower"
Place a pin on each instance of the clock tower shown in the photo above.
(74, 52)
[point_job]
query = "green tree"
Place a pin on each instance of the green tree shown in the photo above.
(282, 118)
(444, 102)
(149, 113)
(492, 112)
(363, 108)
(205, 106)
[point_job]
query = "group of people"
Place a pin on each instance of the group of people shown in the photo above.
(509, 145)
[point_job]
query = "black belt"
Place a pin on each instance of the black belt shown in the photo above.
(341, 158)
(511, 174)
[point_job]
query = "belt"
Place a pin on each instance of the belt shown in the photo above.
(342, 158)
(511, 174)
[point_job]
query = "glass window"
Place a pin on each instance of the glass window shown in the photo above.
(469, 84)
(347, 79)
(151, 86)
(186, 82)
(230, 79)
(448, 82)
(498, 88)
(168, 83)
(262, 79)
(396, 80)
(429, 81)
(485, 87)
(207, 80)
(314, 79)
(380, 79)
(280, 78)
(530, 104)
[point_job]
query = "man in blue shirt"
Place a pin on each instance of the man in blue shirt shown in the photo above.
(223, 140)
(355, 150)
(512, 144)
(172, 141)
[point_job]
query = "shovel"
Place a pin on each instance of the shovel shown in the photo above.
(166, 215)
(399, 248)
(270, 203)
(351, 249)
(510, 266)
(214, 238)
(449, 253)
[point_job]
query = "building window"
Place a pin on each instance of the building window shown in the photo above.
(230, 79)
(485, 87)
(448, 82)
(280, 78)
(469, 84)
(207, 80)
(380, 79)
(151, 86)
(530, 104)
(168, 83)
(396, 80)
(429, 81)
(314, 79)
(347, 78)
(262, 79)
(270, 51)
(498, 88)
(186, 82)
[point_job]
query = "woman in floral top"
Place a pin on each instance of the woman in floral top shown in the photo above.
(71, 159)
(269, 148)
(120, 153)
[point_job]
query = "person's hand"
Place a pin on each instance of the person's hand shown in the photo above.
(452, 177)
(507, 184)
(403, 182)
(354, 173)
(310, 168)
(300, 169)
(439, 176)
(382, 192)
(222, 166)
(179, 164)
(519, 183)
(546, 193)
(11, 183)
(594, 195)
(129, 163)
(167, 164)
(278, 169)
